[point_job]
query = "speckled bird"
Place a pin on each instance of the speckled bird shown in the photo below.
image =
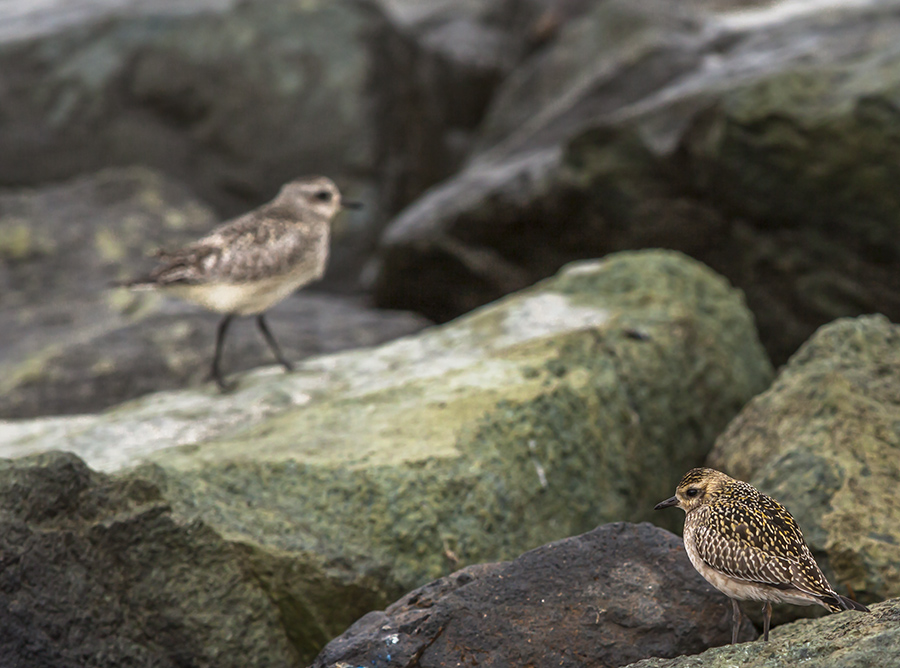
(246, 265)
(749, 547)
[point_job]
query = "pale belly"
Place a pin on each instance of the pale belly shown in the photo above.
(248, 298)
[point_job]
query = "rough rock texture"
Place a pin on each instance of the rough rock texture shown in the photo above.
(569, 404)
(605, 598)
(96, 572)
(845, 640)
(72, 344)
(762, 142)
(824, 440)
(440, 76)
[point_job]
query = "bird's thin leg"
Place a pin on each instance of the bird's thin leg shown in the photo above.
(217, 357)
(767, 619)
(735, 620)
(273, 344)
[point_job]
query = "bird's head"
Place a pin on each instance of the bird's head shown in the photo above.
(697, 487)
(317, 195)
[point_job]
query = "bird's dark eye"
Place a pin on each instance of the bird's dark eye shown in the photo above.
(323, 196)
(692, 492)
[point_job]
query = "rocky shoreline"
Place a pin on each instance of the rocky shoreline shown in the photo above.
(653, 237)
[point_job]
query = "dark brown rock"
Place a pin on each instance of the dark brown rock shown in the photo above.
(605, 598)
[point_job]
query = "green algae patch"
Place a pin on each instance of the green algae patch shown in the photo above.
(16, 241)
(824, 441)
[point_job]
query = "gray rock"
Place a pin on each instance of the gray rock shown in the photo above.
(605, 598)
(68, 242)
(368, 473)
(234, 98)
(440, 78)
(823, 441)
(758, 142)
(193, 94)
(75, 345)
(231, 98)
(845, 639)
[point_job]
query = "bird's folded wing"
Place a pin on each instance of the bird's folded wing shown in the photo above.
(761, 544)
(235, 253)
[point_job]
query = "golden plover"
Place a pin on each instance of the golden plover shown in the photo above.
(748, 546)
(246, 265)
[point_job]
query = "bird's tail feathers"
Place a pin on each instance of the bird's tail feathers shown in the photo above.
(850, 604)
(836, 603)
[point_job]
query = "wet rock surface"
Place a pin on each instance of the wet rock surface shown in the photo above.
(605, 598)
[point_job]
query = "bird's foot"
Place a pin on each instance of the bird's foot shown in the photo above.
(224, 386)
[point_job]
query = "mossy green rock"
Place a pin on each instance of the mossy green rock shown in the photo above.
(824, 440)
(365, 474)
(98, 572)
(838, 641)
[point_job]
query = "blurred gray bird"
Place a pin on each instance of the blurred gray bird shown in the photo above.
(749, 547)
(247, 265)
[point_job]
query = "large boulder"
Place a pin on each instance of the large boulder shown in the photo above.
(605, 598)
(824, 441)
(578, 401)
(836, 641)
(75, 345)
(760, 142)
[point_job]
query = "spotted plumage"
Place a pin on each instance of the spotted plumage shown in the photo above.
(245, 266)
(748, 546)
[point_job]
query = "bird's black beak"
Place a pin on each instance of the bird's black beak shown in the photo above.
(668, 503)
(351, 205)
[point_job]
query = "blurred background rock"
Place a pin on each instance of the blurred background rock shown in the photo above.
(492, 142)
